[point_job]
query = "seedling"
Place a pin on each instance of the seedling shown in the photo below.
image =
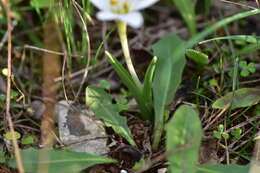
(220, 132)
(246, 69)
(236, 133)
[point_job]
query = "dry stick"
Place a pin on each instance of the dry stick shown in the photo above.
(216, 118)
(226, 145)
(8, 91)
(5, 37)
(162, 157)
(48, 51)
(51, 68)
(239, 4)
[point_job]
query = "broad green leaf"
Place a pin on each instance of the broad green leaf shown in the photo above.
(184, 129)
(59, 161)
(101, 104)
(197, 56)
(133, 88)
(167, 78)
(186, 9)
(242, 98)
(220, 168)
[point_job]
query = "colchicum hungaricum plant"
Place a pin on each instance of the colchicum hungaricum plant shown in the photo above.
(126, 12)
(162, 79)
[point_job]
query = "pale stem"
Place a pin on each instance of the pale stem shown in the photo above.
(124, 43)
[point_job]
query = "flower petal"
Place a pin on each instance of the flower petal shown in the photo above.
(106, 15)
(101, 4)
(133, 19)
(141, 4)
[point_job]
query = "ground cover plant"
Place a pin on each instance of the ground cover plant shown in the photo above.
(176, 85)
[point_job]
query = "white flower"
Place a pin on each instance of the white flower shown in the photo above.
(123, 10)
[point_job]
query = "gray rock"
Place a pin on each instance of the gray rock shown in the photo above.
(80, 130)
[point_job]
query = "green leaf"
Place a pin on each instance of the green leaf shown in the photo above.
(244, 73)
(220, 168)
(251, 67)
(236, 133)
(8, 135)
(213, 82)
(101, 104)
(2, 97)
(14, 2)
(183, 129)
(41, 3)
(180, 50)
(13, 94)
(167, 78)
(243, 64)
(186, 9)
(198, 57)
(242, 98)
(2, 157)
(148, 81)
(217, 134)
(225, 135)
(221, 128)
(104, 84)
(29, 140)
(133, 88)
(203, 6)
(247, 49)
(247, 38)
(59, 161)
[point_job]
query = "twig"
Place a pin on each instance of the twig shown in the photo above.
(216, 118)
(48, 51)
(239, 4)
(8, 91)
(162, 157)
(5, 37)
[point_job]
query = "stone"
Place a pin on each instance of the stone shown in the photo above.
(79, 129)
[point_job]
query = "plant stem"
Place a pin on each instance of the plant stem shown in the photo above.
(124, 43)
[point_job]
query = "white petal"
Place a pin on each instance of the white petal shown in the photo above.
(141, 4)
(106, 15)
(101, 4)
(133, 19)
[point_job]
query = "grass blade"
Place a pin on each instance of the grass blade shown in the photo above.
(146, 112)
